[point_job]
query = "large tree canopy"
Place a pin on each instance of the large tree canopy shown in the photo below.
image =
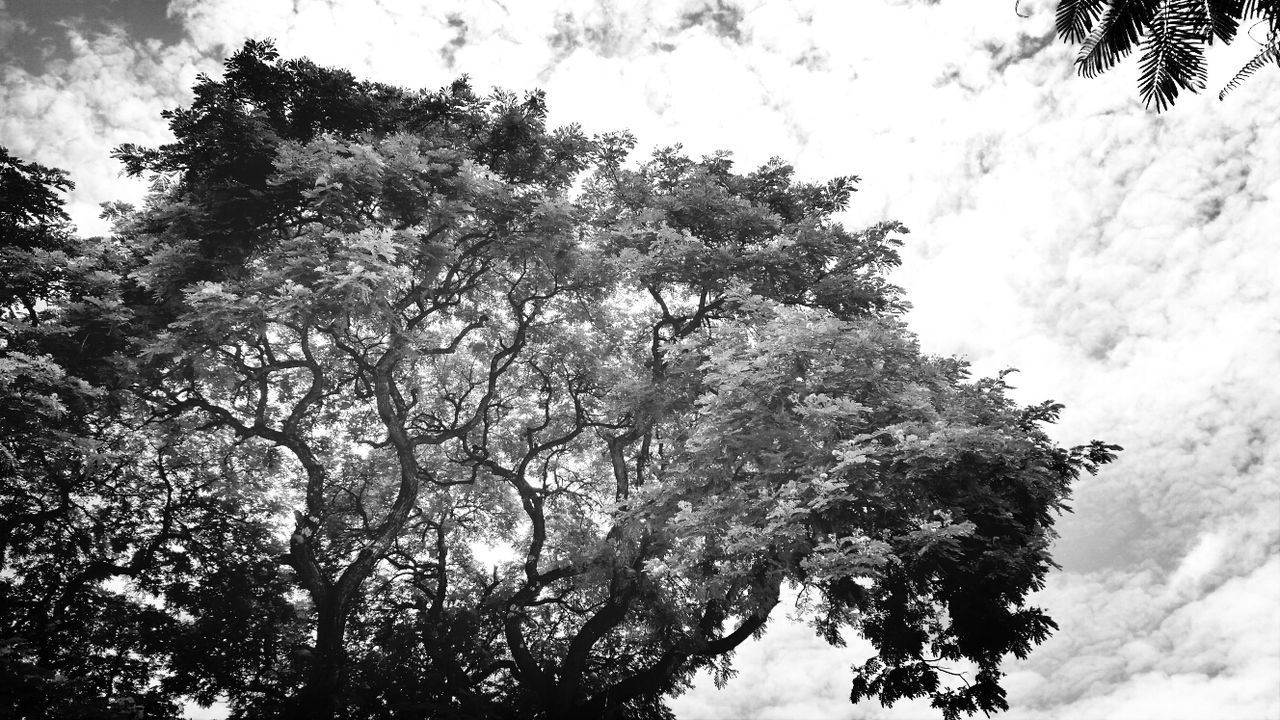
(433, 411)
(1171, 36)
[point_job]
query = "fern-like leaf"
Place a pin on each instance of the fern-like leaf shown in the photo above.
(1115, 35)
(1270, 53)
(1075, 18)
(1222, 19)
(1173, 54)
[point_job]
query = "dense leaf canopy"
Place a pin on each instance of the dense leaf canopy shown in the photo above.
(401, 404)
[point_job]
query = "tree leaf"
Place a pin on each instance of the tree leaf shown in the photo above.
(1268, 54)
(1075, 18)
(1173, 53)
(1115, 36)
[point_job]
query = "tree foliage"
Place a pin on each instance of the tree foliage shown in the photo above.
(422, 408)
(100, 508)
(1172, 36)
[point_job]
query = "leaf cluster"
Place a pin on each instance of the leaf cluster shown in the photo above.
(1171, 35)
(221, 166)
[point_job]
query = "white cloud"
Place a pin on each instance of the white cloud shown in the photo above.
(111, 92)
(1178, 655)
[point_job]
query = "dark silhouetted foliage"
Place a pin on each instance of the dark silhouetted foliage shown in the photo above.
(1171, 37)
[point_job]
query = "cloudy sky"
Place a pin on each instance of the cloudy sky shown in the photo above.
(1127, 263)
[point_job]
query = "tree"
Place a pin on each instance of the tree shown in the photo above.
(60, 655)
(100, 509)
(1173, 35)
(433, 327)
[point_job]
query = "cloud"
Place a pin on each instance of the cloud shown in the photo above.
(111, 91)
(788, 675)
(11, 26)
(1161, 649)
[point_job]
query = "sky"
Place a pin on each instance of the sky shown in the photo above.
(1126, 262)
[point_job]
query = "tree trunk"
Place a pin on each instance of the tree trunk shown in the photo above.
(320, 698)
